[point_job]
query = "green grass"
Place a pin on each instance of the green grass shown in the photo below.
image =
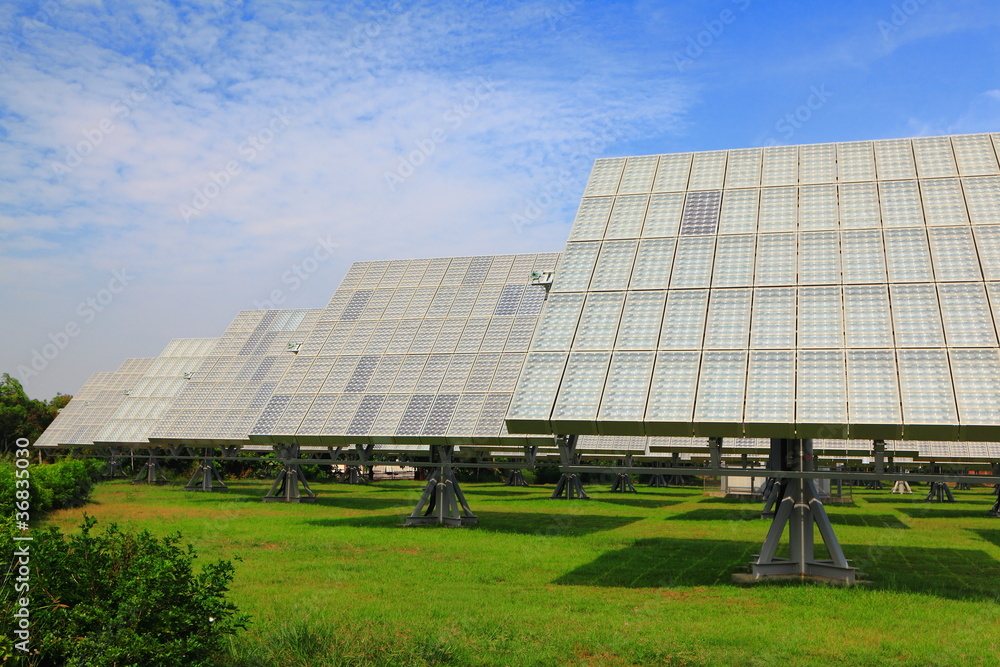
(618, 580)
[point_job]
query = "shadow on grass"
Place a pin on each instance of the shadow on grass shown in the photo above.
(718, 515)
(934, 511)
(363, 503)
(959, 574)
(991, 536)
(546, 525)
(502, 493)
(377, 521)
(862, 520)
(632, 501)
(734, 500)
(550, 525)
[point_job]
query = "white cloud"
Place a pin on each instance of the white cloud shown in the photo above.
(363, 89)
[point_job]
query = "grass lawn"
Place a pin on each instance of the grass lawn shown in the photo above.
(618, 580)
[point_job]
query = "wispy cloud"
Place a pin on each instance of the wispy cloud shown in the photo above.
(115, 117)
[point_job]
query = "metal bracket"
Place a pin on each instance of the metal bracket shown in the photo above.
(151, 471)
(515, 478)
(800, 509)
(286, 487)
(114, 467)
(623, 482)
(901, 487)
(442, 501)
(940, 492)
(205, 474)
(569, 485)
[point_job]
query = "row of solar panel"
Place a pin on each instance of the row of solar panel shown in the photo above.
(893, 159)
(946, 254)
(765, 393)
(852, 316)
(493, 270)
(889, 205)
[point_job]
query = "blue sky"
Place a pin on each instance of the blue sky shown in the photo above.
(166, 164)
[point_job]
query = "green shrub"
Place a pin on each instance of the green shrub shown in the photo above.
(122, 599)
(66, 483)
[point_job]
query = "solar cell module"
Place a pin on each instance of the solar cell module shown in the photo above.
(832, 291)
(410, 352)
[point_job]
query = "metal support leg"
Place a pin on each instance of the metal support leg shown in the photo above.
(771, 493)
(799, 509)
(515, 478)
(151, 473)
(963, 486)
(353, 474)
(657, 481)
(996, 506)
(205, 475)
(286, 487)
(623, 481)
(569, 485)
(442, 501)
(715, 452)
(939, 493)
(114, 467)
(901, 487)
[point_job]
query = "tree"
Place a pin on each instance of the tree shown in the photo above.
(23, 417)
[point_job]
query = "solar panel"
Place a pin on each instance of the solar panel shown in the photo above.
(226, 394)
(831, 291)
(154, 391)
(90, 410)
(70, 416)
(418, 352)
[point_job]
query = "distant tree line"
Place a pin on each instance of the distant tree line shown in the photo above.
(23, 417)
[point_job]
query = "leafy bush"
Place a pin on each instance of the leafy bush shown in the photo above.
(122, 599)
(66, 483)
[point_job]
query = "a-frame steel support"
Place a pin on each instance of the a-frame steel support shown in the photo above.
(516, 476)
(800, 509)
(623, 481)
(286, 487)
(113, 470)
(150, 472)
(569, 485)
(901, 487)
(206, 475)
(353, 474)
(657, 480)
(940, 492)
(442, 501)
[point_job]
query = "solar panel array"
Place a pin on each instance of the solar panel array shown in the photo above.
(93, 406)
(423, 351)
(225, 395)
(152, 392)
(68, 420)
(845, 290)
